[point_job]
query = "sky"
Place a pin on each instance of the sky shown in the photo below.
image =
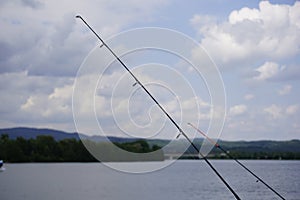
(255, 46)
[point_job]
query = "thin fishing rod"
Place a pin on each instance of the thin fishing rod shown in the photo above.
(236, 160)
(162, 109)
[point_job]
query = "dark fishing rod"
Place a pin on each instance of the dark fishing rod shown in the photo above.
(236, 160)
(162, 109)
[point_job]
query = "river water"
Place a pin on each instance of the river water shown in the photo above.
(183, 180)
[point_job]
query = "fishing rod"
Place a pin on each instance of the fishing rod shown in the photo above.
(236, 160)
(162, 109)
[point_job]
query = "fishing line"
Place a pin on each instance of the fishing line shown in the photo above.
(162, 109)
(233, 158)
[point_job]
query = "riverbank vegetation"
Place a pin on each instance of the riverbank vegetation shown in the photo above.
(47, 149)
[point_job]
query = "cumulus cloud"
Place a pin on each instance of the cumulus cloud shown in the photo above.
(274, 110)
(261, 43)
(48, 41)
(270, 32)
(35, 99)
(277, 112)
(237, 110)
(262, 122)
(272, 71)
(42, 47)
(268, 70)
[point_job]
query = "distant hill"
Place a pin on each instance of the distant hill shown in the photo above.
(263, 146)
(28, 133)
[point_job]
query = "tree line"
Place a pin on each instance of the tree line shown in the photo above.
(47, 149)
(251, 152)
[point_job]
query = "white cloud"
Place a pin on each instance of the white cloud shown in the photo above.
(274, 110)
(41, 48)
(50, 34)
(265, 122)
(261, 44)
(38, 100)
(267, 70)
(285, 90)
(272, 71)
(281, 111)
(237, 110)
(50, 107)
(238, 16)
(29, 103)
(269, 32)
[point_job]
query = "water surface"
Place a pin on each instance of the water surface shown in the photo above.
(183, 180)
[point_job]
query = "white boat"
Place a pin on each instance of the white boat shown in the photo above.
(1, 166)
